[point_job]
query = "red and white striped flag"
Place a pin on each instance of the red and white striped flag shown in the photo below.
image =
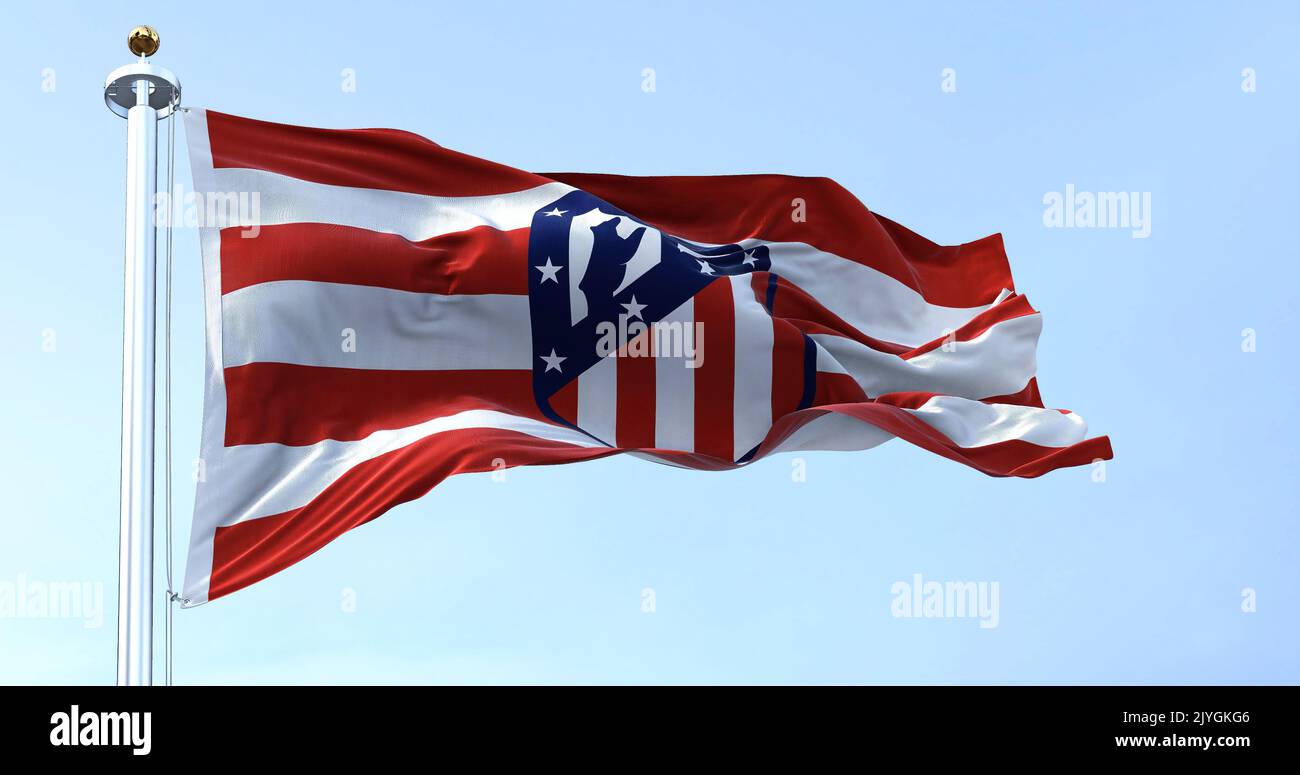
(383, 313)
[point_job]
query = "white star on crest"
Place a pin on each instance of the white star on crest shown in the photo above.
(549, 271)
(633, 309)
(555, 212)
(553, 361)
(705, 268)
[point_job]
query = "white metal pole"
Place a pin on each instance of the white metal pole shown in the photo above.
(142, 94)
(135, 542)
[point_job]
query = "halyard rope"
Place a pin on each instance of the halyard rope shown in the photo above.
(172, 597)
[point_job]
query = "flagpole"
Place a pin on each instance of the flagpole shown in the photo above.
(142, 94)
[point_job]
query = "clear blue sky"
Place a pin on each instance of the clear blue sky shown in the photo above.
(757, 578)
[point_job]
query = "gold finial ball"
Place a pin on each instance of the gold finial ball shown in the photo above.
(143, 41)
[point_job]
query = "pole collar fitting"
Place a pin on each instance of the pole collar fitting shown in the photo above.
(164, 89)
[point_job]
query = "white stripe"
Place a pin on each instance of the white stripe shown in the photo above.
(598, 400)
(284, 199)
(998, 362)
(826, 362)
(965, 422)
(675, 381)
(752, 405)
(258, 480)
(865, 298)
(314, 324)
(975, 424)
(834, 432)
(198, 562)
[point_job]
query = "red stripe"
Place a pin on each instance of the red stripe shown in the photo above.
(691, 460)
(787, 354)
(363, 158)
(715, 378)
(297, 405)
(250, 551)
(729, 208)
(809, 316)
(565, 402)
(478, 260)
(909, 399)
(1027, 396)
(634, 409)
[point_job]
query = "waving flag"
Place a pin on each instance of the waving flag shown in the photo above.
(383, 313)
